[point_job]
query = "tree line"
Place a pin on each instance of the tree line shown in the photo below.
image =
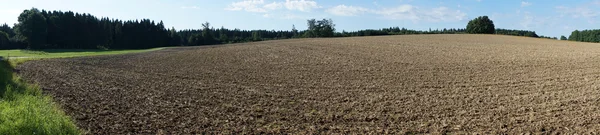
(479, 25)
(585, 35)
(209, 35)
(68, 30)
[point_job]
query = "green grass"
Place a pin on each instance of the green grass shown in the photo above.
(23, 107)
(24, 110)
(61, 53)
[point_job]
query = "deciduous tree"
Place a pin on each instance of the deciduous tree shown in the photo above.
(481, 25)
(32, 26)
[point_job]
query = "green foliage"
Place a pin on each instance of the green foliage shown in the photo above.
(206, 31)
(555, 38)
(294, 31)
(62, 53)
(24, 110)
(4, 27)
(562, 37)
(69, 30)
(256, 36)
(32, 25)
(481, 25)
(175, 38)
(320, 28)
(4, 40)
(195, 39)
(585, 35)
(574, 36)
(516, 32)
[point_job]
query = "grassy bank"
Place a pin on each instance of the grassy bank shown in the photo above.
(23, 107)
(24, 110)
(61, 53)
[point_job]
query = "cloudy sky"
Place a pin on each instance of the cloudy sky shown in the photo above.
(546, 17)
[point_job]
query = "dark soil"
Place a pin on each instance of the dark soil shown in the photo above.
(390, 84)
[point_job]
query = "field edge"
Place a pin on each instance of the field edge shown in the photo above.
(25, 110)
(23, 107)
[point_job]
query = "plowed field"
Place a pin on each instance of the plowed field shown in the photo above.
(385, 84)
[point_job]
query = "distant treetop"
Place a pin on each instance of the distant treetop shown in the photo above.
(481, 25)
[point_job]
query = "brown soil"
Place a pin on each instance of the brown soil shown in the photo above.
(386, 84)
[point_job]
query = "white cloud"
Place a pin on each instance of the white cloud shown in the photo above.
(416, 14)
(247, 5)
(273, 6)
(301, 5)
(259, 6)
(343, 10)
(525, 4)
(445, 14)
(401, 12)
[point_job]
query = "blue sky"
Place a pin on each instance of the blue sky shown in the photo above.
(546, 17)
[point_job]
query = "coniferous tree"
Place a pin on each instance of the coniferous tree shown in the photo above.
(294, 31)
(7, 29)
(175, 39)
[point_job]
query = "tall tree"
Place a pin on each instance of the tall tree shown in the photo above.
(256, 36)
(481, 25)
(208, 37)
(312, 30)
(32, 26)
(327, 28)
(175, 39)
(294, 31)
(320, 28)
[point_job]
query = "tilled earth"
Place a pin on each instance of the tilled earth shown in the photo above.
(387, 84)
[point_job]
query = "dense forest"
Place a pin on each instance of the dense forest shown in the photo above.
(41, 29)
(585, 35)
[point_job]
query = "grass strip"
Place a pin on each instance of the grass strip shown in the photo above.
(23, 107)
(24, 110)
